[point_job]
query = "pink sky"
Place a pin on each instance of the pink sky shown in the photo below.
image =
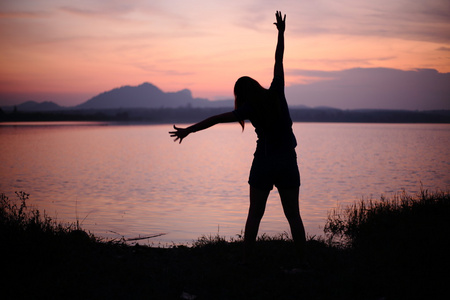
(69, 51)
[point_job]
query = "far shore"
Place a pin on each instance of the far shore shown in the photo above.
(193, 114)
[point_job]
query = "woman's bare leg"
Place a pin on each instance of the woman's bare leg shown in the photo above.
(289, 200)
(258, 200)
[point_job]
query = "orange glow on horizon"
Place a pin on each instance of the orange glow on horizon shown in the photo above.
(91, 48)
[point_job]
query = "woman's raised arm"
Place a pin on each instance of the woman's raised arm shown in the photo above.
(279, 52)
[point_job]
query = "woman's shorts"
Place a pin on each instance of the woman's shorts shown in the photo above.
(279, 170)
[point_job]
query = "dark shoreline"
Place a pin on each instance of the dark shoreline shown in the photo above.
(388, 249)
(190, 115)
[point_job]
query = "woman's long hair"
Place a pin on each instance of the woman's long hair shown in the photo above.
(263, 101)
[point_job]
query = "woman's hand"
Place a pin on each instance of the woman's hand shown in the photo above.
(179, 133)
(281, 22)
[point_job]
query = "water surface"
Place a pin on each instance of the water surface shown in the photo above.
(131, 180)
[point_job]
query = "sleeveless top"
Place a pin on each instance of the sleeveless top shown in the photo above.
(278, 138)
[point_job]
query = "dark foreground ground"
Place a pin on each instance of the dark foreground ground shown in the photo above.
(87, 270)
(70, 264)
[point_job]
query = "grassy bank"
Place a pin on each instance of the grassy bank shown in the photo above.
(386, 249)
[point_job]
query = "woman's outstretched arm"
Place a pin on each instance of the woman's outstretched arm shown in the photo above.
(279, 52)
(181, 133)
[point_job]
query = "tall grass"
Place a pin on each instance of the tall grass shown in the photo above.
(395, 248)
(18, 221)
(403, 239)
(402, 217)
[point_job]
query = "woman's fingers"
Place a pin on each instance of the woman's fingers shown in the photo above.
(178, 134)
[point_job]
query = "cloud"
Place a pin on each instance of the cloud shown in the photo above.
(403, 19)
(111, 9)
(209, 42)
(379, 88)
(23, 14)
(338, 63)
(96, 8)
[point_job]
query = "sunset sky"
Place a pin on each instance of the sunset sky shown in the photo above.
(69, 51)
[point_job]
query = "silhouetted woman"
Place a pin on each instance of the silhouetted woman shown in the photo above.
(275, 159)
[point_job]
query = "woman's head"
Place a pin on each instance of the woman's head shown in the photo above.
(262, 100)
(247, 89)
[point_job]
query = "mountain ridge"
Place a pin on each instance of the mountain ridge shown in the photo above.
(147, 102)
(145, 95)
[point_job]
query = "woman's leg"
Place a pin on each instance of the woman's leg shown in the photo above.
(258, 200)
(289, 200)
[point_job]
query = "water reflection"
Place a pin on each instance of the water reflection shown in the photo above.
(133, 180)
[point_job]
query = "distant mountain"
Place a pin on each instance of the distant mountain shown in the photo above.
(378, 88)
(32, 106)
(147, 95)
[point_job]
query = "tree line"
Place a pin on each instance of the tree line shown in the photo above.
(191, 114)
